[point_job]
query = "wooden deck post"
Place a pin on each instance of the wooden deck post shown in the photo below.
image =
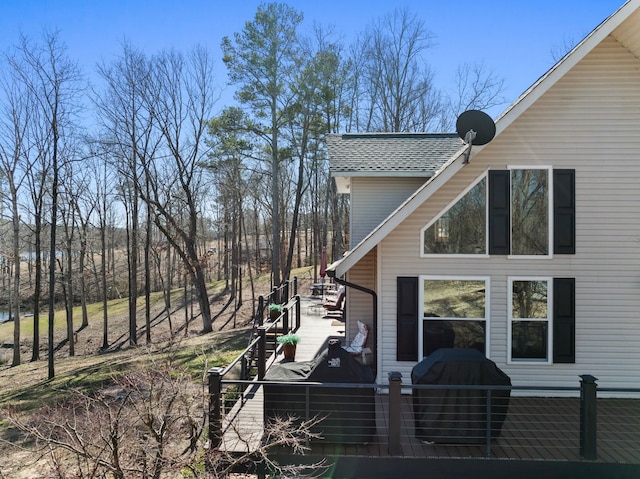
(395, 393)
(262, 352)
(298, 312)
(215, 407)
(260, 312)
(285, 320)
(588, 417)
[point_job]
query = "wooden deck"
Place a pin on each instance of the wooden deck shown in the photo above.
(243, 426)
(535, 428)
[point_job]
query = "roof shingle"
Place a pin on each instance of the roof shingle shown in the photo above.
(390, 154)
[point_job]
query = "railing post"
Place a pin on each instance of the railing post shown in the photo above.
(298, 306)
(285, 292)
(395, 393)
(260, 310)
(262, 352)
(588, 417)
(285, 320)
(215, 407)
(295, 286)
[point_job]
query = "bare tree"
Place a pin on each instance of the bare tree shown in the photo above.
(127, 126)
(16, 113)
(150, 423)
(180, 94)
(395, 83)
(54, 82)
(477, 88)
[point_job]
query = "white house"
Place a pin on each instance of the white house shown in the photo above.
(529, 252)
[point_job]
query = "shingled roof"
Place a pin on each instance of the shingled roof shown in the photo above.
(390, 154)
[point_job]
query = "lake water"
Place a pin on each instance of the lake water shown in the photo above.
(4, 316)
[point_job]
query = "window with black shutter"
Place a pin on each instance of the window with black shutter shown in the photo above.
(564, 320)
(499, 212)
(564, 211)
(407, 318)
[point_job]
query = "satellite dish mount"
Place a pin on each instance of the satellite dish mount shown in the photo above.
(475, 127)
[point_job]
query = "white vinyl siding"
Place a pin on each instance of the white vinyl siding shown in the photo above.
(373, 199)
(588, 121)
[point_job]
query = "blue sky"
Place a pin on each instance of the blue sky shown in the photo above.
(514, 38)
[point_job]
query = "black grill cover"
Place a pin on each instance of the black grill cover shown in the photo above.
(349, 412)
(458, 415)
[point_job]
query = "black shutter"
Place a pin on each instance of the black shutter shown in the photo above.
(407, 326)
(564, 320)
(564, 211)
(499, 212)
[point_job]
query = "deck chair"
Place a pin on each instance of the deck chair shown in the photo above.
(335, 305)
(358, 348)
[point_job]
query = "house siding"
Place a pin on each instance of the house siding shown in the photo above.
(587, 121)
(359, 306)
(373, 199)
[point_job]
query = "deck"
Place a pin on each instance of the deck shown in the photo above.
(535, 428)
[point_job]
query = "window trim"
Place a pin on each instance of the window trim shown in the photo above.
(550, 216)
(511, 320)
(440, 213)
(487, 308)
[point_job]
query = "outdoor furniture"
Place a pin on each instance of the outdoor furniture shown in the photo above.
(318, 289)
(456, 415)
(358, 348)
(335, 303)
(348, 414)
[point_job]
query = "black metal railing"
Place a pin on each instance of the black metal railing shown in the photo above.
(561, 423)
(253, 358)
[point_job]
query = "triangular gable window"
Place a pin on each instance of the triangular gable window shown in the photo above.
(461, 228)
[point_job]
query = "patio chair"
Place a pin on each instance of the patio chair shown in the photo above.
(335, 304)
(358, 348)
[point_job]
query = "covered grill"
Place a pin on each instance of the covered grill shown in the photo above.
(348, 412)
(458, 415)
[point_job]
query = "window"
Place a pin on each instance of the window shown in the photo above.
(454, 313)
(530, 212)
(517, 212)
(461, 228)
(530, 319)
(434, 312)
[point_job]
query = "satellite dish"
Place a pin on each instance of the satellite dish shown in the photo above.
(475, 127)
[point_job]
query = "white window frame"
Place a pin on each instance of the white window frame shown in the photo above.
(487, 309)
(548, 319)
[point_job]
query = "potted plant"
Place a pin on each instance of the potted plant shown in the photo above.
(275, 310)
(289, 342)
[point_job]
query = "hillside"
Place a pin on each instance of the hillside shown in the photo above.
(27, 389)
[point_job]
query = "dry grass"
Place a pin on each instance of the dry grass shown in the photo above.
(26, 387)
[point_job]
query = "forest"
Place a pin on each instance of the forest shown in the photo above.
(139, 181)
